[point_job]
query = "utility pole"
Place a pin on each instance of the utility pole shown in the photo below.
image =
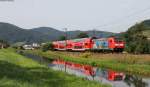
(66, 36)
(94, 32)
(65, 43)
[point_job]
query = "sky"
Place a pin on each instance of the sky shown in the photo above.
(104, 15)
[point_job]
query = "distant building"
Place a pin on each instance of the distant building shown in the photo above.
(36, 45)
(31, 46)
(43, 43)
(28, 47)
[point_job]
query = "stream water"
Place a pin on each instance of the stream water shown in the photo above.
(101, 75)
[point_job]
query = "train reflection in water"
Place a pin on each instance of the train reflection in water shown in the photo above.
(114, 78)
(91, 71)
(110, 74)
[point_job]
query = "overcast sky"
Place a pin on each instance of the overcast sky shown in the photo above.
(105, 15)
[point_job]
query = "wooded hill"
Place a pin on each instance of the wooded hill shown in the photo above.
(13, 34)
(138, 38)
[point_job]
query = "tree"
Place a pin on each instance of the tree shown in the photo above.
(62, 38)
(3, 44)
(47, 46)
(136, 41)
(83, 35)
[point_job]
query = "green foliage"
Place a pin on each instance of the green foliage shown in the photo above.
(18, 45)
(62, 38)
(93, 64)
(4, 44)
(136, 41)
(83, 35)
(47, 46)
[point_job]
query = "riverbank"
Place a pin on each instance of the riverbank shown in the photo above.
(132, 64)
(19, 71)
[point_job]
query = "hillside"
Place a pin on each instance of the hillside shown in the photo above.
(13, 34)
(138, 38)
(50, 33)
(142, 28)
(73, 34)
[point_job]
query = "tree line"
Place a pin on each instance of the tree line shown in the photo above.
(136, 41)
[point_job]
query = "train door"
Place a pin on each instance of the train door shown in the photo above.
(111, 43)
(88, 44)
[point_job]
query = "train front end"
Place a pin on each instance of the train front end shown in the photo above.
(116, 44)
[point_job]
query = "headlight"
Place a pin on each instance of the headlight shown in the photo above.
(121, 44)
(116, 44)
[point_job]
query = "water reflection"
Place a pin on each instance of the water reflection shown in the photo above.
(113, 76)
(110, 75)
(133, 80)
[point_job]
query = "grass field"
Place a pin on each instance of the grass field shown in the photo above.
(134, 64)
(19, 71)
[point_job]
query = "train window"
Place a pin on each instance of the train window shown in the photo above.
(118, 39)
(86, 43)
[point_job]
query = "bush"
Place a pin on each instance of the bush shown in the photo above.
(136, 41)
(4, 44)
(82, 35)
(47, 46)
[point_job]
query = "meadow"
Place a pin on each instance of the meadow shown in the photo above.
(129, 63)
(19, 71)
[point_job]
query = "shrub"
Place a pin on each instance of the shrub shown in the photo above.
(136, 41)
(47, 46)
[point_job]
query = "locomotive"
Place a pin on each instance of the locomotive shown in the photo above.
(93, 44)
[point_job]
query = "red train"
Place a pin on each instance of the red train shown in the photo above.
(83, 44)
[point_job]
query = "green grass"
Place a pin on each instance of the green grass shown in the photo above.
(134, 64)
(19, 71)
